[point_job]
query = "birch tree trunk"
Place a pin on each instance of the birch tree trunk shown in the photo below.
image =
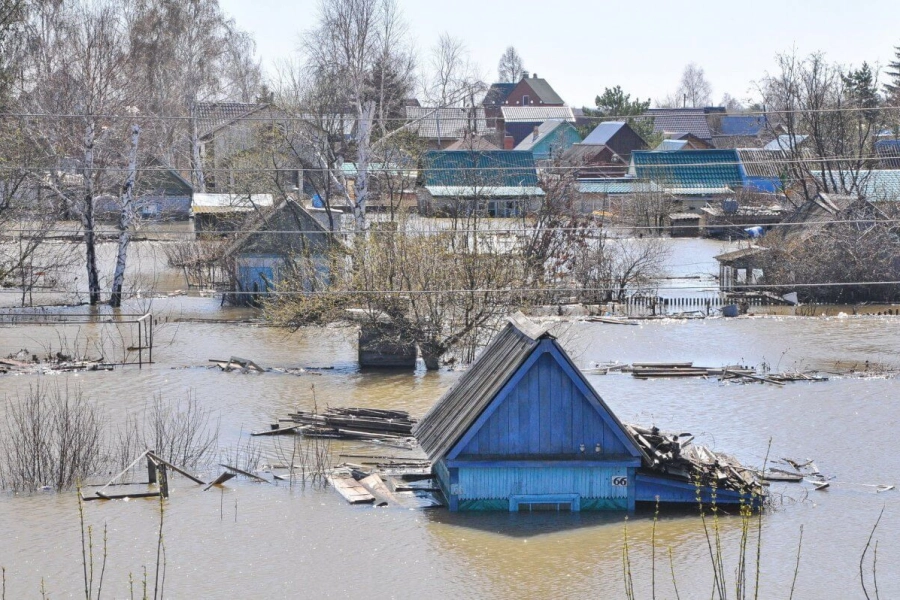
(196, 159)
(125, 219)
(86, 212)
(364, 131)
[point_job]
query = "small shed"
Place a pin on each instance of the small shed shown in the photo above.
(684, 224)
(740, 268)
(283, 241)
(523, 429)
(220, 213)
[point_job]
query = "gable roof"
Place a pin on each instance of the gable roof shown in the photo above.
(212, 116)
(882, 185)
(742, 124)
(543, 90)
(604, 132)
(710, 170)
(680, 120)
(463, 404)
(498, 93)
(671, 145)
(476, 168)
(305, 223)
(544, 130)
(537, 114)
(444, 123)
(784, 143)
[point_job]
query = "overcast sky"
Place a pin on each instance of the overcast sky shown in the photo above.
(581, 47)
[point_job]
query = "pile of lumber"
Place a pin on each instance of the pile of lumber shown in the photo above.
(666, 370)
(683, 369)
(350, 423)
(676, 455)
(57, 365)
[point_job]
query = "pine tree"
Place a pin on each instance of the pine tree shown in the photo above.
(892, 87)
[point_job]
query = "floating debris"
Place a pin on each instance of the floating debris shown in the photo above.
(676, 455)
(349, 424)
(668, 370)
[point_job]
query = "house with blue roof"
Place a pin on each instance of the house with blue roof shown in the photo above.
(550, 140)
(700, 176)
(494, 183)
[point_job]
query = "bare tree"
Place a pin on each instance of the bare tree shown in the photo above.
(452, 78)
(79, 69)
(830, 117)
(511, 67)
(694, 90)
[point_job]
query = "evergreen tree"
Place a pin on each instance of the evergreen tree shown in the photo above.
(892, 87)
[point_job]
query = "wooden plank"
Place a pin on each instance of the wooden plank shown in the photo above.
(244, 473)
(101, 496)
(279, 430)
(176, 469)
(220, 480)
(375, 485)
(351, 490)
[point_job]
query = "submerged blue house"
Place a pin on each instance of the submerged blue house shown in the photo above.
(523, 429)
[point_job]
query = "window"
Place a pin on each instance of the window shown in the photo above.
(525, 100)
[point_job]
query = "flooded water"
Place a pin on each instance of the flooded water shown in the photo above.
(261, 541)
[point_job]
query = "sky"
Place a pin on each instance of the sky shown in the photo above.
(582, 47)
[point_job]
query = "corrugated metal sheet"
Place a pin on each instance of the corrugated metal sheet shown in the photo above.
(222, 203)
(445, 123)
(537, 114)
(461, 405)
(699, 169)
(461, 191)
(882, 185)
(502, 482)
(680, 120)
(490, 168)
(618, 186)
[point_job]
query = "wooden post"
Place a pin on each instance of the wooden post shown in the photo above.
(151, 471)
(163, 480)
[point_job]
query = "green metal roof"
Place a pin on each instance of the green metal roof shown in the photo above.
(617, 186)
(882, 185)
(474, 168)
(696, 169)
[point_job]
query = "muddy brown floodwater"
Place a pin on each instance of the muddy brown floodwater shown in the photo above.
(264, 541)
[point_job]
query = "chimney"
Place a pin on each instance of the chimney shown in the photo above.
(535, 133)
(508, 142)
(534, 75)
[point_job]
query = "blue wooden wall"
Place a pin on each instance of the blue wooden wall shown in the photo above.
(545, 414)
(502, 482)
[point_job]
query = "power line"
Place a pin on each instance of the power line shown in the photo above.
(437, 231)
(146, 294)
(350, 117)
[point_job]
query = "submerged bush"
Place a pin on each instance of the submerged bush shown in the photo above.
(51, 436)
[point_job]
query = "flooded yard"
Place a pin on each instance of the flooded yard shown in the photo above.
(260, 540)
